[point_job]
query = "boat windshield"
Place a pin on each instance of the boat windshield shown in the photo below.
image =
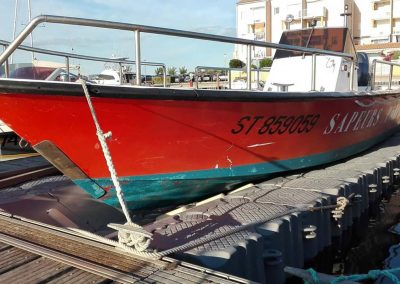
(332, 39)
(35, 73)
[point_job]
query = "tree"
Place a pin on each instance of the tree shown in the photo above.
(183, 70)
(396, 55)
(171, 71)
(265, 62)
(159, 71)
(236, 63)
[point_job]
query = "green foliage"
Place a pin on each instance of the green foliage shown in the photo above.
(236, 63)
(159, 80)
(183, 70)
(396, 55)
(171, 71)
(265, 62)
(159, 71)
(253, 66)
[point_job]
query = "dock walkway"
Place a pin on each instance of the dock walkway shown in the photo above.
(249, 233)
(38, 253)
(293, 218)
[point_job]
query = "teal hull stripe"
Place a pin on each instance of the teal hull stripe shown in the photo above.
(162, 189)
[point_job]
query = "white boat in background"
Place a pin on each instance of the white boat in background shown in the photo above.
(40, 70)
(11, 143)
(114, 74)
(106, 77)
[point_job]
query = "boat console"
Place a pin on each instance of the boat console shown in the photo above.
(295, 71)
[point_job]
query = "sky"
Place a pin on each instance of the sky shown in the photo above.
(212, 16)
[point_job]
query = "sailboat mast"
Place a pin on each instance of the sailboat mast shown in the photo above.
(15, 25)
(31, 34)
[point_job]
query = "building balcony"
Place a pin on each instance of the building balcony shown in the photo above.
(295, 13)
(315, 12)
(379, 33)
(254, 36)
(310, 13)
(379, 1)
(396, 11)
(381, 15)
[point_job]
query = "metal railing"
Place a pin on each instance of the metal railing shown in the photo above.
(67, 57)
(229, 71)
(373, 76)
(138, 29)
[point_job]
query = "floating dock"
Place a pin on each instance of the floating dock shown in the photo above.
(247, 235)
(34, 252)
(285, 221)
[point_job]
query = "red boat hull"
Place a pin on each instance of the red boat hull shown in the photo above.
(153, 134)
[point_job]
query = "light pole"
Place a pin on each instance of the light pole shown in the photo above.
(345, 14)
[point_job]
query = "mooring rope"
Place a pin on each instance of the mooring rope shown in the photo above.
(207, 239)
(371, 275)
(102, 139)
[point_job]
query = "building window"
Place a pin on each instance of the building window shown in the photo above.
(276, 10)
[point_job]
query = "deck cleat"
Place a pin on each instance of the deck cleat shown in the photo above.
(310, 232)
(132, 236)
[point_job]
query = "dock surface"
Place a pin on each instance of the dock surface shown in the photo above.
(38, 253)
(249, 233)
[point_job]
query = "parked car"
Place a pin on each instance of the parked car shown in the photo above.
(206, 78)
(148, 79)
(223, 77)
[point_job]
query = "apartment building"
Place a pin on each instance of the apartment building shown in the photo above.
(297, 14)
(373, 23)
(253, 22)
(384, 21)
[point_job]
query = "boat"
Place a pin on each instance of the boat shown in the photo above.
(171, 145)
(12, 144)
(112, 73)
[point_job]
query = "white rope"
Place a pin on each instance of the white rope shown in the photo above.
(218, 235)
(102, 139)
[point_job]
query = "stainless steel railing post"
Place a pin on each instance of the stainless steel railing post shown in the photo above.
(164, 75)
(229, 79)
(6, 66)
(196, 77)
(313, 71)
(78, 56)
(7, 69)
(154, 30)
(137, 58)
(121, 75)
(373, 74)
(351, 75)
(248, 67)
(67, 66)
